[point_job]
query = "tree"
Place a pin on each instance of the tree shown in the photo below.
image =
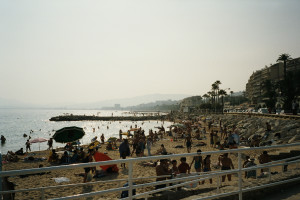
(289, 89)
(270, 94)
(217, 84)
(205, 96)
(284, 57)
(222, 93)
(231, 100)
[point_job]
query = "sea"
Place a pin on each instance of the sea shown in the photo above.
(14, 123)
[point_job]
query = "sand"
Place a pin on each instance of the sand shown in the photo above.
(139, 171)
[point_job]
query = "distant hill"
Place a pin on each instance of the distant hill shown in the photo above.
(167, 105)
(126, 102)
(9, 103)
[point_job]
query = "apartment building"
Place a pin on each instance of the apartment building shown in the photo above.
(254, 87)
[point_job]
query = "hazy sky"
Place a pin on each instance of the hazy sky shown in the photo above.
(85, 51)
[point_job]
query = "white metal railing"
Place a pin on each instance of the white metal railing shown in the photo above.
(180, 181)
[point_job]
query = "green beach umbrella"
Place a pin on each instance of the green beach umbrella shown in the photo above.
(68, 134)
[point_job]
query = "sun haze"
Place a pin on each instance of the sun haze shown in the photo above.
(85, 51)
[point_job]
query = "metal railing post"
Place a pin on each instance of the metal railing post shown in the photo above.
(0, 176)
(130, 168)
(218, 184)
(42, 194)
(240, 175)
(269, 174)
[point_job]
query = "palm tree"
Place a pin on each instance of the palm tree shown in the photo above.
(205, 96)
(284, 57)
(217, 83)
(214, 88)
(222, 93)
(211, 94)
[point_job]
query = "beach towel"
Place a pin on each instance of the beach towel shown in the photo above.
(102, 157)
(61, 179)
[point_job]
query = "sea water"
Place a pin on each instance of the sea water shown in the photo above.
(14, 123)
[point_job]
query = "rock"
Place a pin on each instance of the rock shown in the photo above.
(293, 139)
(276, 124)
(246, 125)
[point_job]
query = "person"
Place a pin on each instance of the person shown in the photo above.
(141, 147)
(6, 186)
(27, 146)
(149, 144)
(162, 150)
(247, 159)
(264, 158)
(161, 170)
(216, 139)
(87, 175)
(75, 156)
(236, 138)
(102, 138)
(252, 173)
(124, 151)
(50, 143)
(188, 143)
(198, 162)
(174, 168)
(53, 157)
(206, 166)
(120, 135)
(231, 141)
(183, 167)
(11, 156)
(211, 137)
(109, 145)
(65, 159)
(226, 165)
(3, 139)
(20, 152)
(82, 154)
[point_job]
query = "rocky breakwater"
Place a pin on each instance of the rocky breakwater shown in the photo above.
(106, 118)
(283, 131)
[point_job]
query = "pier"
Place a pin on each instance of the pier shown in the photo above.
(106, 118)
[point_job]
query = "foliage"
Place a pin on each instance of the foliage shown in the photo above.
(270, 94)
(289, 88)
(284, 57)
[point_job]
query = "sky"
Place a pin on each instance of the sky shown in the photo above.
(86, 51)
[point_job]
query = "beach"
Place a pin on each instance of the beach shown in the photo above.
(139, 170)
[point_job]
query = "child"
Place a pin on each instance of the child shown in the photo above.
(183, 167)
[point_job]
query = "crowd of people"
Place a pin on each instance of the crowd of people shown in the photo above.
(219, 137)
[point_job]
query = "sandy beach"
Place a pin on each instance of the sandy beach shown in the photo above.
(139, 171)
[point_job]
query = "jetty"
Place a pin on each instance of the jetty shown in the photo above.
(106, 118)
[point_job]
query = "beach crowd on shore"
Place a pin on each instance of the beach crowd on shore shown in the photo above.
(197, 135)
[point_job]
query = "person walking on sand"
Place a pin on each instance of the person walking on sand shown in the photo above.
(28, 146)
(124, 151)
(188, 142)
(149, 144)
(102, 138)
(226, 165)
(198, 162)
(206, 166)
(50, 143)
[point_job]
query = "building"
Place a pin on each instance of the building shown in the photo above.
(275, 73)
